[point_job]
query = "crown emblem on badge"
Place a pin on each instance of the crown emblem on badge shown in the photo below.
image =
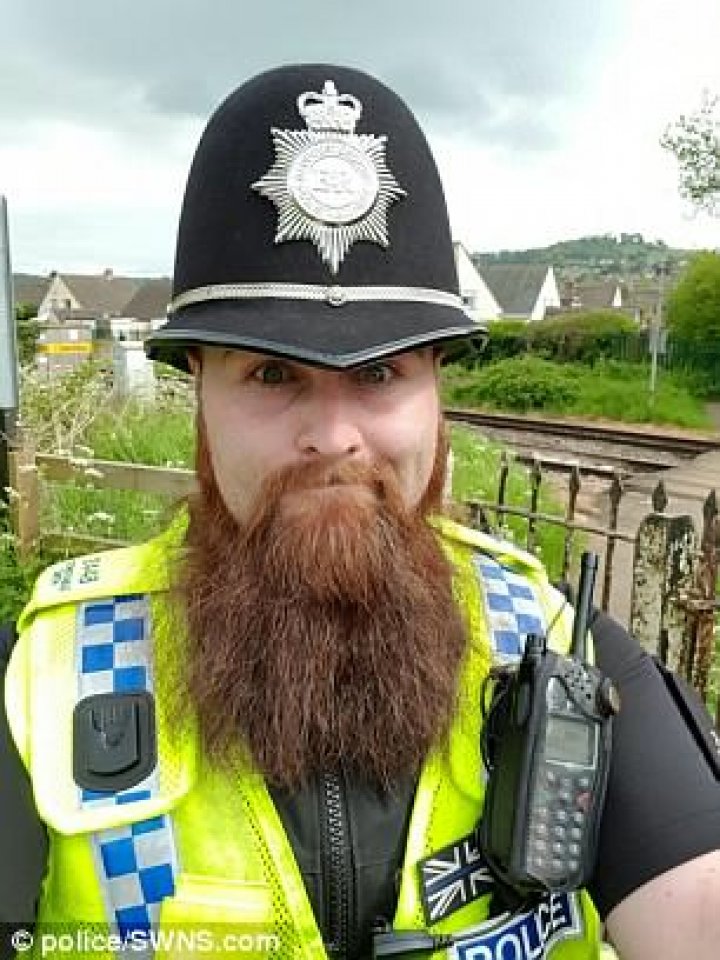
(330, 185)
(330, 110)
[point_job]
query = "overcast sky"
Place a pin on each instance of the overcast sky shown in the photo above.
(544, 117)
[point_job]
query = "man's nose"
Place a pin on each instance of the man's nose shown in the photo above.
(329, 425)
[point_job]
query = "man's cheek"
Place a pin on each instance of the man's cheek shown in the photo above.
(410, 479)
(234, 484)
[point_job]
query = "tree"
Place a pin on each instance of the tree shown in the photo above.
(27, 328)
(693, 307)
(695, 141)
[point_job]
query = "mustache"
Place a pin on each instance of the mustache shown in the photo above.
(329, 474)
(317, 546)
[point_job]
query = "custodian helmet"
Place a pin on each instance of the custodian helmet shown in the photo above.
(314, 227)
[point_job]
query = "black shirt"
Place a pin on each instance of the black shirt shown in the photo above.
(662, 807)
(23, 841)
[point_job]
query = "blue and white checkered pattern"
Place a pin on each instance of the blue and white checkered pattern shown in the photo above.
(113, 648)
(512, 608)
(137, 871)
(136, 864)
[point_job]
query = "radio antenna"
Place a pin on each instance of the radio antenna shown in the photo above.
(586, 587)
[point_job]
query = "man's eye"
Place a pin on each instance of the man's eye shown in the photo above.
(271, 374)
(376, 373)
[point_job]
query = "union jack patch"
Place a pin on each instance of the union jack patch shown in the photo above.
(453, 877)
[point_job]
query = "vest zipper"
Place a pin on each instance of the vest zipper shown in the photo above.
(337, 868)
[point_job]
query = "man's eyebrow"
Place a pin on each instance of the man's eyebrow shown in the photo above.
(240, 355)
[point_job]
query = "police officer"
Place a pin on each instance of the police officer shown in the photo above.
(267, 718)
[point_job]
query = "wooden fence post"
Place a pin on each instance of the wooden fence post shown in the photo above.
(663, 575)
(24, 499)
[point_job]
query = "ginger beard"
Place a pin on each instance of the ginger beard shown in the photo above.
(323, 629)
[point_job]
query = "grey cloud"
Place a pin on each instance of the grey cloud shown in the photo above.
(84, 242)
(458, 65)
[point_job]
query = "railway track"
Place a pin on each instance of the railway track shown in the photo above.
(597, 448)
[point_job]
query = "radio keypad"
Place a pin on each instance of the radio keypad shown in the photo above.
(560, 818)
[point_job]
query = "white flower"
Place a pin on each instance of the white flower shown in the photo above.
(102, 517)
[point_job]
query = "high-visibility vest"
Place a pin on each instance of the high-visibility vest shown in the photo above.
(203, 852)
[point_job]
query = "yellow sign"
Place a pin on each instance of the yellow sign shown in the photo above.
(67, 346)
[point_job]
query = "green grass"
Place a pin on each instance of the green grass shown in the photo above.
(475, 476)
(610, 390)
(623, 394)
(16, 578)
(79, 415)
(131, 432)
(161, 436)
(107, 514)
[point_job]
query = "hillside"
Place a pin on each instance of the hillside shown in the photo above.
(608, 255)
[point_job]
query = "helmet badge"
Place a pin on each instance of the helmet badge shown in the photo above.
(330, 185)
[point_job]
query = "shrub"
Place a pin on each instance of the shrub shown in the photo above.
(519, 383)
(16, 577)
(78, 414)
(594, 323)
(55, 414)
(693, 308)
(578, 337)
(507, 338)
(613, 390)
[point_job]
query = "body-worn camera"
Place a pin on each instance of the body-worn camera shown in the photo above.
(546, 744)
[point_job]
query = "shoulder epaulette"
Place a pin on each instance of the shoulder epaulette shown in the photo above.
(127, 570)
(506, 553)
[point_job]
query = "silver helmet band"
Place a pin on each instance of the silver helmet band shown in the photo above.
(334, 296)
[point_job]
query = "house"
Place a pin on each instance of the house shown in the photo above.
(103, 295)
(592, 295)
(29, 290)
(150, 303)
(479, 302)
(523, 291)
(646, 299)
(69, 314)
(145, 311)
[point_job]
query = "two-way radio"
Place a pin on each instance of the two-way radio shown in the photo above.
(546, 744)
